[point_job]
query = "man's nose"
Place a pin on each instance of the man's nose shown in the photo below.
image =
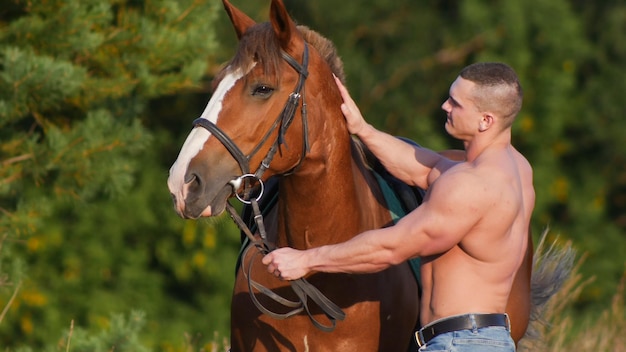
(445, 106)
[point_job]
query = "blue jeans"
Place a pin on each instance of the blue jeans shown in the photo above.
(489, 339)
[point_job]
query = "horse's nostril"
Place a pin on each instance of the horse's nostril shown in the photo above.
(193, 183)
(192, 178)
(173, 197)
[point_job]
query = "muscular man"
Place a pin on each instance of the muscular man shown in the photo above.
(471, 231)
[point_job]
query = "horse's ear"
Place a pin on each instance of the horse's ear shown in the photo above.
(283, 25)
(240, 20)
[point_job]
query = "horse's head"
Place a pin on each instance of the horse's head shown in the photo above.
(255, 124)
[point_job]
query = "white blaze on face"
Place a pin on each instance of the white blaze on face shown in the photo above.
(197, 138)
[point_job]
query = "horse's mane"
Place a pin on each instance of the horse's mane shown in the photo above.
(327, 50)
(260, 43)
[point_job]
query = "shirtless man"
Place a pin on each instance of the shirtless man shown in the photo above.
(471, 231)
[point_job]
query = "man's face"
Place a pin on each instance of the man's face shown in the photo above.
(462, 114)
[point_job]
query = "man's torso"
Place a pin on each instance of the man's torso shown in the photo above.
(476, 275)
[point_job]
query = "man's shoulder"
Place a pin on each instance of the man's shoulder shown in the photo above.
(463, 178)
(472, 182)
(464, 171)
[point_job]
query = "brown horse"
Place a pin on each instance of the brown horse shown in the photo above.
(276, 108)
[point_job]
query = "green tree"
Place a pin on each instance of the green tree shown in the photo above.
(594, 156)
(82, 193)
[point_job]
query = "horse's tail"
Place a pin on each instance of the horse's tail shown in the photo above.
(552, 265)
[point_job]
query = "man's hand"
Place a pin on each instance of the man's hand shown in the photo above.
(287, 263)
(354, 119)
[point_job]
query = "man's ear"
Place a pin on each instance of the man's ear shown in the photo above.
(486, 121)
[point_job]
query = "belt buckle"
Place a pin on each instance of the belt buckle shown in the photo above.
(419, 338)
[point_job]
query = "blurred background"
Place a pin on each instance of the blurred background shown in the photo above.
(97, 97)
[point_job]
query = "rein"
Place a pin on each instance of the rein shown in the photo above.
(302, 288)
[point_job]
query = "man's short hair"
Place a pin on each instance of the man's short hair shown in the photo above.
(497, 89)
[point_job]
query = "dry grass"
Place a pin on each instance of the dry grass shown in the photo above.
(559, 332)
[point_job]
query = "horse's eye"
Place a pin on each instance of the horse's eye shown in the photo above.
(262, 91)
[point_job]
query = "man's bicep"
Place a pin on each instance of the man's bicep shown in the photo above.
(412, 163)
(446, 216)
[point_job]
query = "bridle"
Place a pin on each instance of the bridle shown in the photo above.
(283, 121)
(303, 289)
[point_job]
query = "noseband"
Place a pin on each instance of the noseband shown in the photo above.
(303, 289)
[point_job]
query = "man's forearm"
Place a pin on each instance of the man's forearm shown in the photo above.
(399, 157)
(364, 255)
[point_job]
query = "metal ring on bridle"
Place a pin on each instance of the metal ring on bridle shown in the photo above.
(236, 183)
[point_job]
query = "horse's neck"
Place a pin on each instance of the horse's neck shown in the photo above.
(330, 200)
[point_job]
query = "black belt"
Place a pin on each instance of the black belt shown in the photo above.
(461, 322)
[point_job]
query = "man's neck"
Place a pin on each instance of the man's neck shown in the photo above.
(477, 146)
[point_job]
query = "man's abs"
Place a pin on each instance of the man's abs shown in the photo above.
(453, 285)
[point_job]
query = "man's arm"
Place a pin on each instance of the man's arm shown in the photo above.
(448, 213)
(409, 163)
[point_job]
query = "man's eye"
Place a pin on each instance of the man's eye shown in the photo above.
(262, 91)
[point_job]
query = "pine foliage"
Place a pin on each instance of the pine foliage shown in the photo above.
(76, 78)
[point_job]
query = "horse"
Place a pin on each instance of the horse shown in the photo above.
(276, 108)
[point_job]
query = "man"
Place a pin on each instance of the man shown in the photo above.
(471, 231)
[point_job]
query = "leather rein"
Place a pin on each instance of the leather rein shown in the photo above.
(302, 288)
